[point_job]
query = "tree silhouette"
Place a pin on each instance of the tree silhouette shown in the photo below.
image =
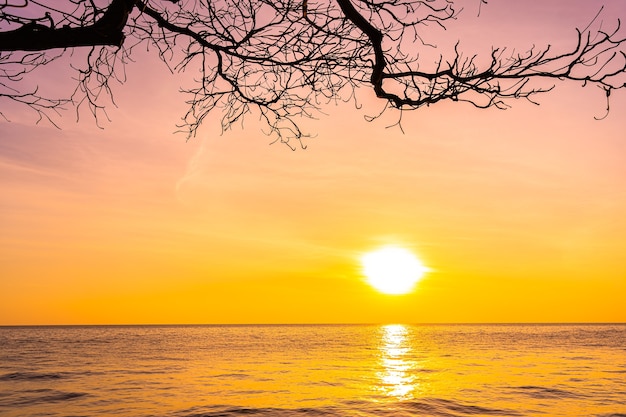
(286, 59)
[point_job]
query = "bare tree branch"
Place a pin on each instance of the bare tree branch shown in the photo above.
(35, 36)
(285, 60)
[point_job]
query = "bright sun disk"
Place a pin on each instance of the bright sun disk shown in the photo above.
(392, 270)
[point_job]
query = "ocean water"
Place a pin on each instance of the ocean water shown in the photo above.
(311, 370)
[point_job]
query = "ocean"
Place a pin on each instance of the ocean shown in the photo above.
(314, 370)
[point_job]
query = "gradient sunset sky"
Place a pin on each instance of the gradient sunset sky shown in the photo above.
(520, 215)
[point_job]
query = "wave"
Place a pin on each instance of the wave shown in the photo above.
(435, 407)
(233, 376)
(545, 392)
(445, 408)
(30, 376)
(52, 376)
(269, 411)
(40, 396)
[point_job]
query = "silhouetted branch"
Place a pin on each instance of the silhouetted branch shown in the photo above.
(35, 36)
(284, 60)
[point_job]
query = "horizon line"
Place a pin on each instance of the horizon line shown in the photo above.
(572, 323)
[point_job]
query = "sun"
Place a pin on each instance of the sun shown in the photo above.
(392, 269)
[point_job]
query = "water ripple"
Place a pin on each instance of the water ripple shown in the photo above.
(545, 392)
(41, 396)
(444, 408)
(29, 376)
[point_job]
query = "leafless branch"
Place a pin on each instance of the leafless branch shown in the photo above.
(285, 60)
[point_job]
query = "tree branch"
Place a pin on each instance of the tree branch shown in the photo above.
(37, 37)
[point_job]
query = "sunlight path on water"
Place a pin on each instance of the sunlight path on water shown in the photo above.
(396, 379)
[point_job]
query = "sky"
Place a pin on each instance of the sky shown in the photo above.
(519, 215)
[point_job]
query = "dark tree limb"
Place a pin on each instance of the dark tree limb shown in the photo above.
(462, 79)
(106, 31)
(282, 60)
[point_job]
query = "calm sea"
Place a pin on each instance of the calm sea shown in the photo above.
(394, 370)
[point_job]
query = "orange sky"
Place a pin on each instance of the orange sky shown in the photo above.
(519, 214)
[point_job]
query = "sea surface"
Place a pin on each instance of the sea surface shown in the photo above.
(314, 370)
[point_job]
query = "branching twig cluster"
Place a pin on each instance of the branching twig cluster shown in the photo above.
(283, 60)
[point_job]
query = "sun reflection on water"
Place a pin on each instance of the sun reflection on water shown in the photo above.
(396, 377)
